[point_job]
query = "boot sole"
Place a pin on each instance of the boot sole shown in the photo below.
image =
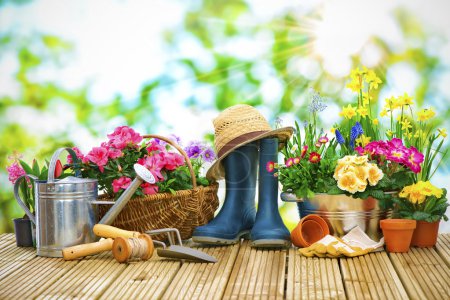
(210, 240)
(270, 244)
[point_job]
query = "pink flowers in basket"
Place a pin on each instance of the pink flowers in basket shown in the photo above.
(394, 151)
(112, 163)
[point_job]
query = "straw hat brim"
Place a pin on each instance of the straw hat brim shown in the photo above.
(216, 171)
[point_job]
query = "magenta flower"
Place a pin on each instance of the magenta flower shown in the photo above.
(398, 155)
(99, 156)
(323, 139)
(171, 160)
(304, 150)
(149, 189)
(414, 159)
(289, 162)
(154, 164)
(114, 153)
(121, 183)
(297, 160)
(270, 166)
(124, 136)
(79, 154)
(154, 146)
(15, 171)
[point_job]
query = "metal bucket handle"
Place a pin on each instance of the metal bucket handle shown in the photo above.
(52, 166)
(19, 199)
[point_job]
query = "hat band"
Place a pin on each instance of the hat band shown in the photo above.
(238, 141)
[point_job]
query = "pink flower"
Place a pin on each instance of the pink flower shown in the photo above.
(304, 150)
(314, 157)
(153, 146)
(14, 172)
(154, 164)
(398, 155)
(289, 162)
(297, 160)
(270, 166)
(79, 155)
(414, 159)
(172, 160)
(99, 156)
(323, 139)
(124, 136)
(121, 183)
(149, 189)
(360, 150)
(114, 153)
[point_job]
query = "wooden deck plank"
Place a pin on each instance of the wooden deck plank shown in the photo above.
(423, 273)
(313, 278)
(248, 278)
(443, 247)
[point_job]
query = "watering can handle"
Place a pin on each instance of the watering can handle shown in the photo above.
(52, 166)
(19, 199)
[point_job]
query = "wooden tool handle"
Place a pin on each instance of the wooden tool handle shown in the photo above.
(87, 249)
(107, 231)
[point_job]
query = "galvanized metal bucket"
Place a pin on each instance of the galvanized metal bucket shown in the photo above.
(65, 210)
(343, 213)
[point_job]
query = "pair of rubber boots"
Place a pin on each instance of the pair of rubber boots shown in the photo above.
(238, 217)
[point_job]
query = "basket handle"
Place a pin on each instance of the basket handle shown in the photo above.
(182, 152)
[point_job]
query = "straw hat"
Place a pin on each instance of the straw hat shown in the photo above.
(239, 125)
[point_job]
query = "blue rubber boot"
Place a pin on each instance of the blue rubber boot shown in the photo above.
(237, 215)
(269, 230)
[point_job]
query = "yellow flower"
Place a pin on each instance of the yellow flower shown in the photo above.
(442, 132)
(349, 182)
(405, 192)
(405, 124)
(348, 112)
(356, 84)
(362, 111)
(383, 113)
(366, 98)
(375, 122)
(405, 99)
(363, 140)
(389, 133)
(374, 174)
(428, 189)
(372, 79)
(362, 173)
(332, 130)
(415, 196)
(425, 114)
(360, 160)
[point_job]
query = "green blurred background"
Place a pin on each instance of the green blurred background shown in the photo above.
(71, 71)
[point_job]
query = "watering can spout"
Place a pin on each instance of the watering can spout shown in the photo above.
(142, 174)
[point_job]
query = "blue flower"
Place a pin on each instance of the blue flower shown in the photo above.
(339, 138)
(355, 132)
(316, 102)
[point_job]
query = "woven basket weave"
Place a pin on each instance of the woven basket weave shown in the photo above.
(183, 210)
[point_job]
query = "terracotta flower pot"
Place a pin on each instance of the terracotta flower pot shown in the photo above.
(397, 234)
(425, 234)
(309, 230)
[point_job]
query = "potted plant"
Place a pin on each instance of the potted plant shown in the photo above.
(181, 197)
(426, 204)
(23, 227)
(325, 171)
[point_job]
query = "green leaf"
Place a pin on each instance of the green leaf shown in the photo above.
(26, 167)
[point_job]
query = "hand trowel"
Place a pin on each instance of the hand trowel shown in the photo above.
(178, 251)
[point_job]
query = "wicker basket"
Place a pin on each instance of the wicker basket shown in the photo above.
(183, 210)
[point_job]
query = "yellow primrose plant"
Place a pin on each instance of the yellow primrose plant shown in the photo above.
(422, 201)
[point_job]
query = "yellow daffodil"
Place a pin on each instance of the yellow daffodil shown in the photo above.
(442, 132)
(405, 124)
(383, 113)
(375, 122)
(366, 98)
(356, 84)
(363, 140)
(332, 130)
(405, 99)
(425, 114)
(348, 112)
(372, 79)
(389, 133)
(362, 111)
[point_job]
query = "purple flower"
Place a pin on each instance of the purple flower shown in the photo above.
(194, 149)
(339, 138)
(208, 154)
(174, 138)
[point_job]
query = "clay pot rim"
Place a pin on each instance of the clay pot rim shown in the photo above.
(316, 219)
(398, 224)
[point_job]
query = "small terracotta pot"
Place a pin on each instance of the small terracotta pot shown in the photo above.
(309, 230)
(425, 234)
(397, 234)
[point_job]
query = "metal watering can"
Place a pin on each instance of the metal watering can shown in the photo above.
(66, 209)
